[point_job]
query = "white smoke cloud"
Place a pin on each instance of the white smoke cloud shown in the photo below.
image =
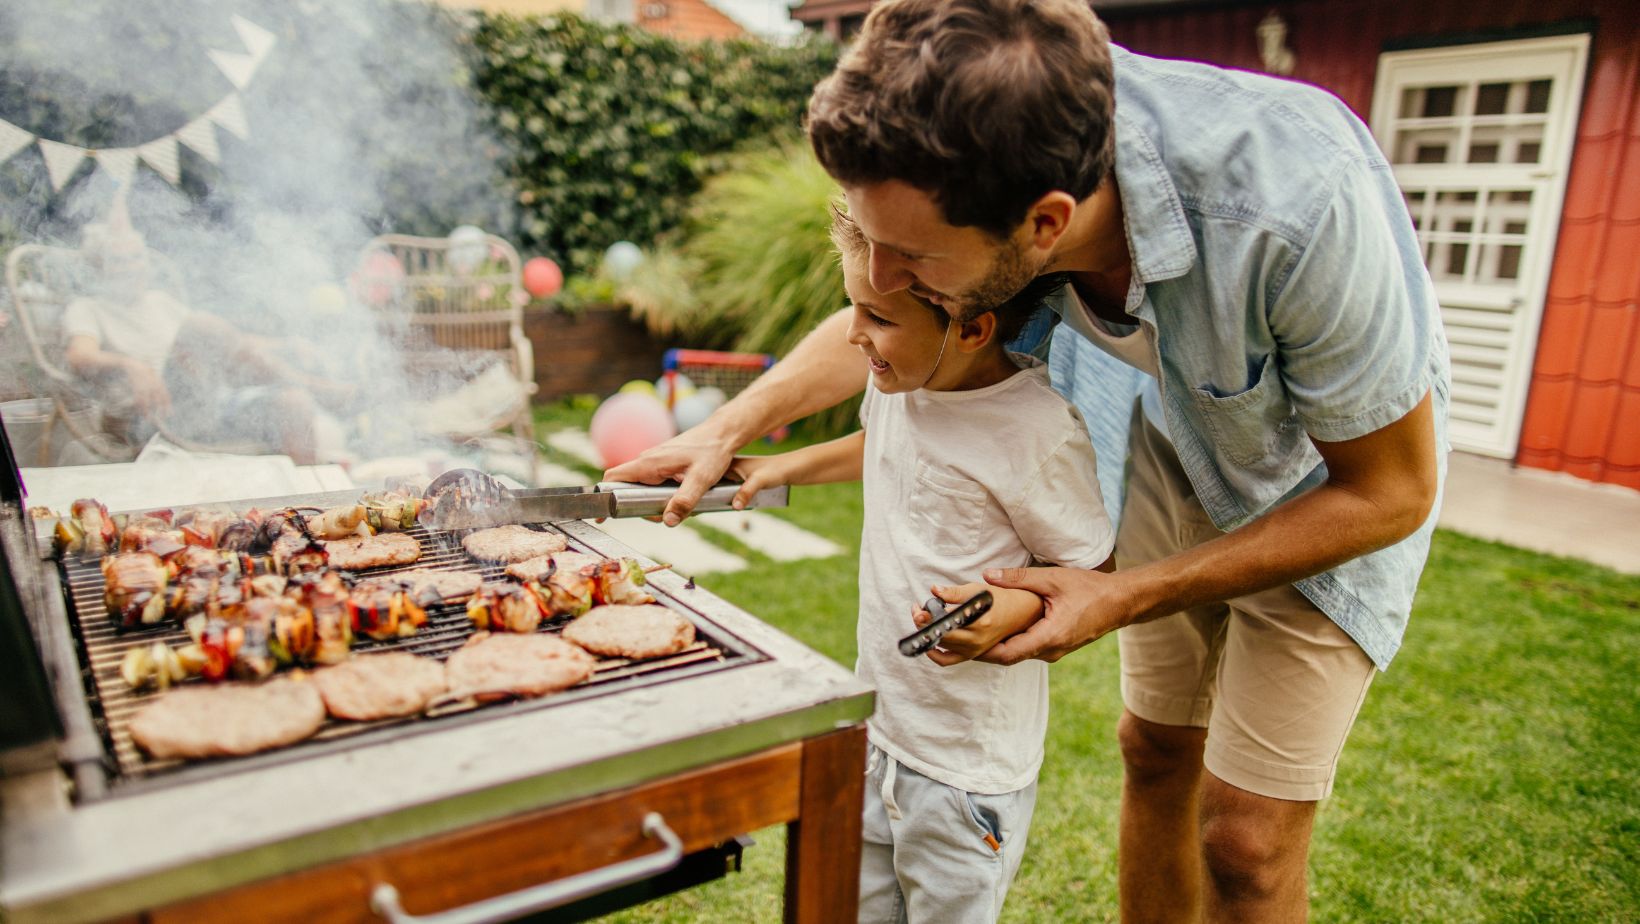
(360, 121)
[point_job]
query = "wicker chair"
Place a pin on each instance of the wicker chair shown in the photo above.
(450, 327)
(42, 281)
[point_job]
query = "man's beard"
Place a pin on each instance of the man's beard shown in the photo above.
(1009, 274)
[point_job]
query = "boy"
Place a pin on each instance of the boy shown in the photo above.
(954, 752)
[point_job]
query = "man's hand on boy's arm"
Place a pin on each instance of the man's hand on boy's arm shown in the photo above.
(1014, 612)
(1380, 487)
(1011, 612)
(823, 370)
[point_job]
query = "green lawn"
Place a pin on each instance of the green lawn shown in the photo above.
(1491, 775)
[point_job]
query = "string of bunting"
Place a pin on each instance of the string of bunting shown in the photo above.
(161, 154)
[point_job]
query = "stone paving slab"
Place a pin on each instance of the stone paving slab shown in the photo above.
(549, 475)
(576, 443)
(687, 551)
(770, 535)
(1543, 511)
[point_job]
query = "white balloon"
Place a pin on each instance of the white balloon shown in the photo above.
(713, 394)
(621, 259)
(469, 245)
(691, 410)
(663, 388)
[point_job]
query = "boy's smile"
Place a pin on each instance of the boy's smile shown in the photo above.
(902, 338)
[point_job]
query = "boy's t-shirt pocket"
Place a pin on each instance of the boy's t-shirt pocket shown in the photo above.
(946, 509)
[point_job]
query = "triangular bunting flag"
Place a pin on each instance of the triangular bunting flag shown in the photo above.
(162, 156)
(230, 114)
(200, 136)
(256, 38)
(237, 66)
(120, 163)
(12, 140)
(61, 161)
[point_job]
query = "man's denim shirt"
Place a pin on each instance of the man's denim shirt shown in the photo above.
(1273, 254)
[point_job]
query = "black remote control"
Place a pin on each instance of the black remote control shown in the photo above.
(944, 621)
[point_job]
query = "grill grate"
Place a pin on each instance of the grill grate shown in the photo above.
(103, 648)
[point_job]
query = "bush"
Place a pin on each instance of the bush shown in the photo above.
(612, 129)
(754, 268)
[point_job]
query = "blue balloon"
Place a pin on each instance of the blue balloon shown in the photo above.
(621, 259)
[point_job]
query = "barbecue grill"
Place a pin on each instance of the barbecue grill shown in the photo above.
(486, 812)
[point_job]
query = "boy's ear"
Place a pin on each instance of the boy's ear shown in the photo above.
(975, 334)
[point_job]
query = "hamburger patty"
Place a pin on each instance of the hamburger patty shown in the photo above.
(450, 586)
(620, 631)
(380, 686)
(565, 561)
(228, 720)
(356, 553)
(511, 543)
(522, 665)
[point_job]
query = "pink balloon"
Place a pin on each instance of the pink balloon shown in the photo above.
(542, 277)
(626, 424)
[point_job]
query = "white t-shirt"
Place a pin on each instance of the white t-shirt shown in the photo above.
(143, 330)
(957, 482)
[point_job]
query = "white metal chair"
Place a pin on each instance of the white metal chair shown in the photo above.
(457, 326)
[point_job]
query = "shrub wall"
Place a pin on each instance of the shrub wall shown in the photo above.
(612, 129)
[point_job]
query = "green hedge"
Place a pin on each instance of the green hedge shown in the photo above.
(612, 129)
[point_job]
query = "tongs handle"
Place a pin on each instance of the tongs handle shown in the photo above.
(649, 500)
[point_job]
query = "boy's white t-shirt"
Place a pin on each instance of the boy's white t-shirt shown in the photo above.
(957, 482)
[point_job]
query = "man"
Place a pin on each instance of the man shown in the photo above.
(1237, 245)
(157, 362)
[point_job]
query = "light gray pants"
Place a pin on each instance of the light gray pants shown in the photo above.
(934, 854)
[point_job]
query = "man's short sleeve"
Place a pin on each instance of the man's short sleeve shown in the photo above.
(1060, 516)
(1356, 319)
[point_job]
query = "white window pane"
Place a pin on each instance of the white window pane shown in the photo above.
(1427, 146)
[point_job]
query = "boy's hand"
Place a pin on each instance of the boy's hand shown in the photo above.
(1012, 611)
(756, 473)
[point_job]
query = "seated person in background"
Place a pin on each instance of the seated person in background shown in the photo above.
(970, 461)
(159, 363)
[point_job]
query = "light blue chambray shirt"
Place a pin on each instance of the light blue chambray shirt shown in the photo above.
(1273, 255)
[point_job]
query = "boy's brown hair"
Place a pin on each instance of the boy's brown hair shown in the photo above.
(985, 104)
(1012, 315)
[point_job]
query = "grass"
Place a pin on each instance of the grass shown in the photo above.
(1491, 776)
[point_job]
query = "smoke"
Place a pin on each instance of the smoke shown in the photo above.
(360, 122)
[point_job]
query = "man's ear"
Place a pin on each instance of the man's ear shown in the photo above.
(975, 334)
(1049, 218)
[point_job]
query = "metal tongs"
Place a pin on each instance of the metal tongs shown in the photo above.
(466, 498)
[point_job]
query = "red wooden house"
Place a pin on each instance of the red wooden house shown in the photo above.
(1514, 129)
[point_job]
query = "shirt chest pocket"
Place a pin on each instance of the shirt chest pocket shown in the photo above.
(946, 510)
(1254, 425)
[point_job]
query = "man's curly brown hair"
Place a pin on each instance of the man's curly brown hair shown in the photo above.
(987, 105)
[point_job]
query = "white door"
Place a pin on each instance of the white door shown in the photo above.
(1480, 137)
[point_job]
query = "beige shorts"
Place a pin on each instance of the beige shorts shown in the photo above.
(1275, 682)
